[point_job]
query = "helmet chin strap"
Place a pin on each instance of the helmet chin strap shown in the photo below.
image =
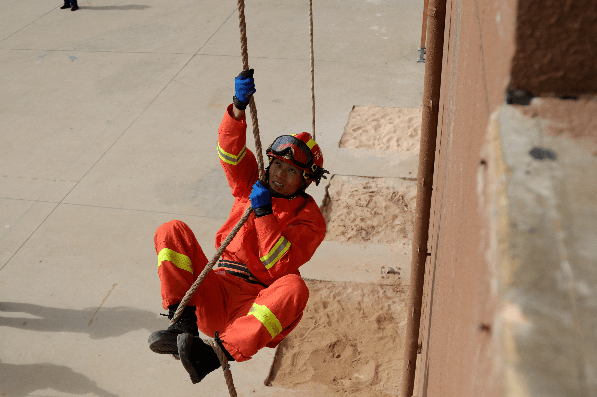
(299, 192)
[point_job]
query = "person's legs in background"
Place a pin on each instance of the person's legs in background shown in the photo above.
(72, 4)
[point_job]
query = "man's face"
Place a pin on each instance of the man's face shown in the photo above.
(285, 178)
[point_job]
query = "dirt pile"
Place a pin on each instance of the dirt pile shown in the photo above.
(349, 341)
(382, 128)
(369, 210)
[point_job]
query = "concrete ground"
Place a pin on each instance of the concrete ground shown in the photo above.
(108, 123)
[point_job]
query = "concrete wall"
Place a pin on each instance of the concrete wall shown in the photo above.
(481, 334)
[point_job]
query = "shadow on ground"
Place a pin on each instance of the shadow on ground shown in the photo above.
(128, 7)
(22, 380)
(103, 323)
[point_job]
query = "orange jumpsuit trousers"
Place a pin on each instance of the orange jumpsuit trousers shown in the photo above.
(248, 316)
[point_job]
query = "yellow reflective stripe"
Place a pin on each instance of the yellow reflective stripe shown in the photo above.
(179, 260)
(229, 157)
(276, 253)
(267, 318)
(310, 144)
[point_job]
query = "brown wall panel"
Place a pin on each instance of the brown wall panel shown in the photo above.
(456, 356)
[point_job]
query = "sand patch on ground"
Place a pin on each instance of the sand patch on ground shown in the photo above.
(349, 342)
(381, 128)
(369, 210)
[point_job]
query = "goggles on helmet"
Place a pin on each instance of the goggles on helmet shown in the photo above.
(299, 154)
(293, 149)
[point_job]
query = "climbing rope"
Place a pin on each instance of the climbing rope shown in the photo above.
(258, 149)
(243, 219)
(312, 65)
(261, 169)
(209, 266)
(245, 55)
(225, 366)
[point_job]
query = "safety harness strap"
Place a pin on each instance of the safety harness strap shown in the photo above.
(239, 270)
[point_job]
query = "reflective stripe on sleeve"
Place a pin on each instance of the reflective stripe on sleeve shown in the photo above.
(179, 260)
(276, 253)
(267, 318)
(231, 158)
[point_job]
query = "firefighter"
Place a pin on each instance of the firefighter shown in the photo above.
(255, 296)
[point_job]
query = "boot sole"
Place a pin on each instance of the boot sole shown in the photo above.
(185, 341)
(163, 342)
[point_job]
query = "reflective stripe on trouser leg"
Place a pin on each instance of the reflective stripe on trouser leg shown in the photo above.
(180, 260)
(275, 312)
(267, 318)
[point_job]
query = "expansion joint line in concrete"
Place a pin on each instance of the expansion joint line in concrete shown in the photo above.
(137, 210)
(32, 22)
(100, 51)
(109, 148)
(32, 233)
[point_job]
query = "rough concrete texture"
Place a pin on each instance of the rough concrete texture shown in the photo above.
(555, 47)
(108, 120)
(570, 118)
(548, 258)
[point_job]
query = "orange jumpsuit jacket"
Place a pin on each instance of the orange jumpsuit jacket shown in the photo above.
(274, 245)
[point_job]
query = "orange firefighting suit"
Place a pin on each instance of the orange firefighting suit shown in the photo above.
(256, 295)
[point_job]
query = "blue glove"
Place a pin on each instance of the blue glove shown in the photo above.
(261, 200)
(244, 86)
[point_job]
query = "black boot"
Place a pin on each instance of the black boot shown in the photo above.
(65, 6)
(164, 342)
(197, 357)
(75, 6)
